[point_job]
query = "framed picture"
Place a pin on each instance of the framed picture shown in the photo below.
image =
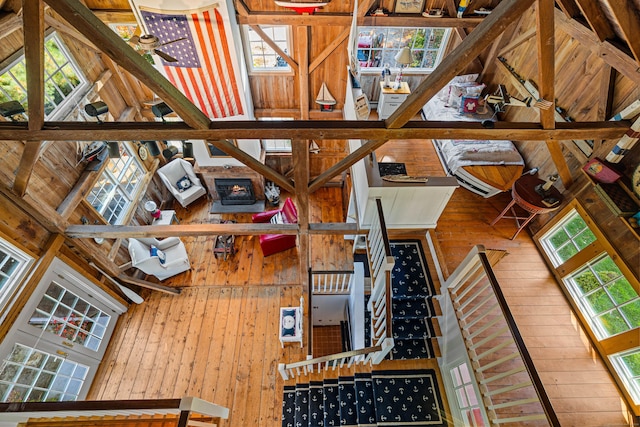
(216, 152)
(409, 6)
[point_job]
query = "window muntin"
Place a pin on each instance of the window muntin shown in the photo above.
(116, 188)
(567, 238)
(31, 375)
(13, 265)
(466, 396)
(606, 297)
(65, 314)
(62, 79)
(377, 46)
(262, 57)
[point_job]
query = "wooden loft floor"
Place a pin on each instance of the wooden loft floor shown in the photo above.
(218, 339)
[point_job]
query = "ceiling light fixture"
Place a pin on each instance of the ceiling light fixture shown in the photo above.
(161, 109)
(96, 109)
(10, 109)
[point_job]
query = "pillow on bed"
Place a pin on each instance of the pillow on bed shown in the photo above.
(458, 90)
(444, 92)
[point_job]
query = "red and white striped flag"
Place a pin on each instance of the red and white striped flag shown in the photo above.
(204, 71)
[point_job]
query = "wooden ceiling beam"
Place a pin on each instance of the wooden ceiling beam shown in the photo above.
(478, 40)
(546, 83)
(608, 52)
(522, 38)
(629, 24)
(124, 55)
(253, 163)
(33, 23)
(302, 49)
(300, 162)
(64, 28)
(421, 21)
(309, 129)
(195, 230)
(345, 20)
(10, 22)
(115, 16)
(293, 64)
(364, 150)
(569, 7)
(329, 49)
(596, 18)
(364, 6)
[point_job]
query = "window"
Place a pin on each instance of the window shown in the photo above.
(13, 265)
(62, 79)
(466, 396)
(601, 288)
(277, 145)
(377, 46)
(116, 188)
(263, 57)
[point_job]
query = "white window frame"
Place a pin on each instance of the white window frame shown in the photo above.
(268, 29)
(68, 101)
(15, 278)
(392, 49)
(466, 395)
(275, 146)
(133, 168)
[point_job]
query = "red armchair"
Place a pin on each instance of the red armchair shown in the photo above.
(273, 243)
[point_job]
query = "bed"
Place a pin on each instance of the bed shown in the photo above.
(481, 166)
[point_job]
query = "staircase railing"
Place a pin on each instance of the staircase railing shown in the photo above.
(187, 411)
(369, 355)
(381, 263)
(508, 381)
(331, 282)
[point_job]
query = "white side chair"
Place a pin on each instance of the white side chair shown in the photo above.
(177, 260)
(175, 171)
(291, 324)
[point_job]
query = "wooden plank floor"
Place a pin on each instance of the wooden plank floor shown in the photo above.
(218, 339)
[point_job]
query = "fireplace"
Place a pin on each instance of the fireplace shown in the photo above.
(235, 191)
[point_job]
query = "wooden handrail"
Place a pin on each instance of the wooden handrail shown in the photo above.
(524, 353)
(387, 251)
(332, 357)
(310, 322)
(332, 272)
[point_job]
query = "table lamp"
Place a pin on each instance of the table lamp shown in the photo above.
(151, 207)
(404, 58)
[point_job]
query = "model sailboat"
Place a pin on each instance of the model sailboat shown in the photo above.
(325, 99)
(303, 6)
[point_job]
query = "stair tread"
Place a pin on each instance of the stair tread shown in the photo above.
(412, 349)
(288, 406)
(407, 308)
(331, 404)
(411, 328)
(302, 405)
(365, 400)
(316, 410)
(347, 396)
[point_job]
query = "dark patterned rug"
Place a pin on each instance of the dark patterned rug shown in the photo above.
(408, 398)
(410, 275)
(389, 168)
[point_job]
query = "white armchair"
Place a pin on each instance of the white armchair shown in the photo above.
(176, 261)
(173, 172)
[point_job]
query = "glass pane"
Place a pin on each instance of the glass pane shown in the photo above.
(586, 281)
(621, 291)
(567, 252)
(607, 270)
(584, 239)
(462, 398)
(631, 312)
(10, 266)
(632, 362)
(613, 323)
(575, 225)
(559, 238)
(455, 376)
(599, 301)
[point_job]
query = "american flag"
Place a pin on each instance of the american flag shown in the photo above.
(204, 70)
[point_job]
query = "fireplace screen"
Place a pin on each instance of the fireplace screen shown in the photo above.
(236, 191)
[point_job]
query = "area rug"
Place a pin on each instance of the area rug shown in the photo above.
(410, 275)
(388, 168)
(408, 398)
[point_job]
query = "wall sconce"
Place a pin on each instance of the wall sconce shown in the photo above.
(153, 148)
(161, 109)
(96, 109)
(10, 109)
(114, 149)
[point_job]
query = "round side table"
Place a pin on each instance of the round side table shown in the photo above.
(523, 194)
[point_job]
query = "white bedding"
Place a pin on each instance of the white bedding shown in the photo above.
(459, 153)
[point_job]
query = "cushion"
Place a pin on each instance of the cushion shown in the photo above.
(277, 219)
(183, 184)
(155, 252)
(288, 323)
(469, 104)
(458, 90)
(444, 92)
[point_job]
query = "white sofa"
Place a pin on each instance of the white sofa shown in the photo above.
(173, 172)
(176, 261)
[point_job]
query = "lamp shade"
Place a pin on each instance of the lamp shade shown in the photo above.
(404, 56)
(161, 109)
(96, 108)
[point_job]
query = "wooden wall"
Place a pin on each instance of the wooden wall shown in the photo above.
(581, 80)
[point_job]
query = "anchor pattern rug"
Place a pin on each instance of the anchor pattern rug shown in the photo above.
(407, 398)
